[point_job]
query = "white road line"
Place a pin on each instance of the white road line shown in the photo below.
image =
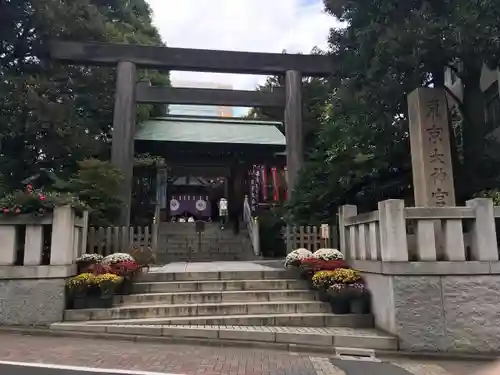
(323, 366)
(83, 369)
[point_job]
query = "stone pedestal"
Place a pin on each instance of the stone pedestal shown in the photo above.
(33, 295)
(437, 306)
(32, 292)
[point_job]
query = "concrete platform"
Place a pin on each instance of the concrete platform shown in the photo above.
(257, 265)
(329, 337)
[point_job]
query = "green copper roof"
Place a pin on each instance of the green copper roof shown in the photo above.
(210, 130)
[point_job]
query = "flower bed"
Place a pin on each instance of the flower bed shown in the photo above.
(100, 278)
(36, 202)
(331, 277)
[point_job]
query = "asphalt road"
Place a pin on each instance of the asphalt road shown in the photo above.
(29, 370)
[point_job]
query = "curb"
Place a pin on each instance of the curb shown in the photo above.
(222, 343)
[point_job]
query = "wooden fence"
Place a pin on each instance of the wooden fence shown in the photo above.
(110, 240)
(309, 237)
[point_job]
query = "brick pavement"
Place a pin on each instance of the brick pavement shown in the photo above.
(178, 359)
(199, 360)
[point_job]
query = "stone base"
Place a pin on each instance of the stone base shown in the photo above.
(437, 313)
(31, 302)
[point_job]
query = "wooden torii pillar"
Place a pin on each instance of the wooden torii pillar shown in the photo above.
(293, 127)
(122, 148)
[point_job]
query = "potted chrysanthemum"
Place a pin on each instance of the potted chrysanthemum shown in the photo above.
(360, 298)
(293, 258)
(105, 286)
(339, 298)
(78, 289)
(125, 266)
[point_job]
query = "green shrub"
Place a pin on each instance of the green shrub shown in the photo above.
(271, 228)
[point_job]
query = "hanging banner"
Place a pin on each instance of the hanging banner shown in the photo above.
(255, 186)
(274, 176)
(263, 173)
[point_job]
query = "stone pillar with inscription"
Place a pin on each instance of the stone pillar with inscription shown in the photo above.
(430, 148)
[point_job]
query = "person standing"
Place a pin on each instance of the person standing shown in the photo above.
(223, 212)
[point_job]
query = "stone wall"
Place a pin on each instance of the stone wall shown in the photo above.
(452, 312)
(31, 302)
(26, 299)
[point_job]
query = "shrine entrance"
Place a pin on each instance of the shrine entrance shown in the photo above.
(208, 159)
(128, 58)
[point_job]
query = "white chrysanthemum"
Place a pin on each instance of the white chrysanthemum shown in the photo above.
(328, 254)
(117, 258)
(297, 255)
(97, 258)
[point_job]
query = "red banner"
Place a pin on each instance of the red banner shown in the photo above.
(285, 175)
(276, 193)
(263, 173)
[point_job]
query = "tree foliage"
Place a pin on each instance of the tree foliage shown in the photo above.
(95, 184)
(53, 115)
(388, 49)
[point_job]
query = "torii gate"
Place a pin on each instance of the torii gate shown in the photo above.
(127, 58)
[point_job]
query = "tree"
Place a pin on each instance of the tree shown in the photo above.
(391, 47)
(54, 115)
(388, 49)
(95, 184)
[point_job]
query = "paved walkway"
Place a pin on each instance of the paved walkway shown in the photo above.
(258, 265)
(197, 360)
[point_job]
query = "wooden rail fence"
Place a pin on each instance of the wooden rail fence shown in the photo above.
(309, 237)
(110, 240)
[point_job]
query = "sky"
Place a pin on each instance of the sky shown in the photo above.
(241, 25)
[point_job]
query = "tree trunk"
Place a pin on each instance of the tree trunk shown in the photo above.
(474, 127)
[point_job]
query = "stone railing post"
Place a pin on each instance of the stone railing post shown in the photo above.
(63, 231)
(8, 238)
(484, 237)
(346, 248)
(393, 241)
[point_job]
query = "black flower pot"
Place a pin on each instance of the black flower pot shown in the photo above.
(78, 302)
(310, 285)
(99, 302)
(323, 296)
(125, 287)
(360, 305)
(340, 305)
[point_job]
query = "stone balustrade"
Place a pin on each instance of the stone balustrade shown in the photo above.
(396, 233)
(434, 272)
(37, 255)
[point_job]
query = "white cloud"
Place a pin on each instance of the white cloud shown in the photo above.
(244, 25)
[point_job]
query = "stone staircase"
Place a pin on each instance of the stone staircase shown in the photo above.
(271, 308)
(178, 242)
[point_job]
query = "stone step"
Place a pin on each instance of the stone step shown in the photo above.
(226, 234)
(308, 336)
(237, 241)
(197, 310)
(185, 257)
(295, 320)
(217, 297)
(209, 251)
(225, 276)
(217, 285)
